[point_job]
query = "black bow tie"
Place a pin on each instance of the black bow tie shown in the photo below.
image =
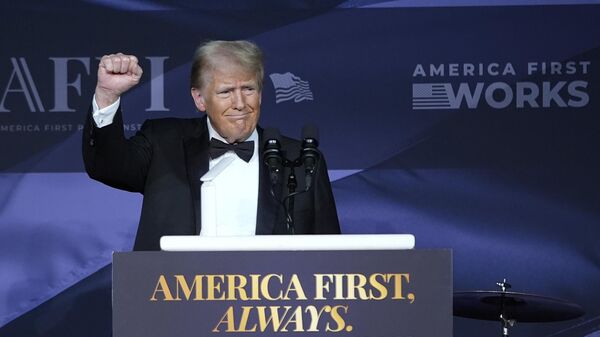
(244, 150)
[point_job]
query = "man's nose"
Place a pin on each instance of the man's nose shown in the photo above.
(238, 100)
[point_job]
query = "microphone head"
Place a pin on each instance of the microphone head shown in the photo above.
(271, 133)
(310, 134)
(271, 136)
(272, 153)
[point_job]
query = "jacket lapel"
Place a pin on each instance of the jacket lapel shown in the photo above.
(268, 207)
(196, 157)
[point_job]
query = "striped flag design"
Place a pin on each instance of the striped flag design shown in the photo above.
(432, 96)
(289, 86)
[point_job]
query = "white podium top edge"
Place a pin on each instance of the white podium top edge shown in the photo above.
(180, 243)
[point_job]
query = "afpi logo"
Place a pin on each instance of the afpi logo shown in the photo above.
(21, 86)
(552, 84)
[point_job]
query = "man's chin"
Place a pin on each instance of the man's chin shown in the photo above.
(239, 135)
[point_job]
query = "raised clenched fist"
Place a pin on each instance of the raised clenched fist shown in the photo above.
(117, 73)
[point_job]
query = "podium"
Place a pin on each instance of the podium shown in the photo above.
(277, 292)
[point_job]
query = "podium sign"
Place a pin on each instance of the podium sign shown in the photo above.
(389, 293)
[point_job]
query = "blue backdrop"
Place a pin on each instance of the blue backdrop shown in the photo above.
(473, 125)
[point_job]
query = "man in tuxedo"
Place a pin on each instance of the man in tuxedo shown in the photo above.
(166, 158)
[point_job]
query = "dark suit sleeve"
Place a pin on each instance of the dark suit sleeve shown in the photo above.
(326, 218)
(114, 160)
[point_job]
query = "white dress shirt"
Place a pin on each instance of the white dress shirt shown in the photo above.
(237, 186)
(237, 191)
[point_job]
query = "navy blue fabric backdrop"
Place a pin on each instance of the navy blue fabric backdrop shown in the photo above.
(472, 125)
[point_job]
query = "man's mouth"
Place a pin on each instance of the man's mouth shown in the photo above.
(237, 116)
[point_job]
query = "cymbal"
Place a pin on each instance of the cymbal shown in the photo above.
(486, 305)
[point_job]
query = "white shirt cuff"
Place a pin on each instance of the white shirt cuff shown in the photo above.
(104, 116)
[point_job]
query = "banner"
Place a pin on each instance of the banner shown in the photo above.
(347, 293)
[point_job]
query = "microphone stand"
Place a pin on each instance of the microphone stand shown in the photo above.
(291, 184)
(273, 151)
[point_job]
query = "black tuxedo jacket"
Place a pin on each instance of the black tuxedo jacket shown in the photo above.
(165, 160)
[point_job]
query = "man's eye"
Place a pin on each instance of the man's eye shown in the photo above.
(224, 93)
(249, 90)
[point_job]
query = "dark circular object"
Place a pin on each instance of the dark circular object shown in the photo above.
(487, 305)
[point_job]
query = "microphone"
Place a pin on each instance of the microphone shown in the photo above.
(272, 153)
(310, 155)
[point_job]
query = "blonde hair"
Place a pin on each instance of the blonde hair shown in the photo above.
(210, 54)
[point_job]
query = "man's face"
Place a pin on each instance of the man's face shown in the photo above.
(231, 98)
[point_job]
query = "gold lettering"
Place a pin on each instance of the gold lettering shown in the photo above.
(163, 287)
(322, 285)
(296, 287)
(255, 281)
(383, 292)
(187, 291)
(213, 287)
(360, 287)
(227, 318)
(338, 319)
(236, 287)
(315, 316)
(264, 287)
(339, 286)
(273, 318)
(397, 279)
(296, 318)
(244, 320)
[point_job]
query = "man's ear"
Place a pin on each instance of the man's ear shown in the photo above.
(198, 99)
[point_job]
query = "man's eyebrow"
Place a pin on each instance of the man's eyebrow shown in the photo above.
(232, 86)
(225, 87)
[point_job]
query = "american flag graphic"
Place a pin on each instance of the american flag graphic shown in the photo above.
(289, 86)
(432, 96)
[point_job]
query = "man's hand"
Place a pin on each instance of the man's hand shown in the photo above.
(117, 73)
